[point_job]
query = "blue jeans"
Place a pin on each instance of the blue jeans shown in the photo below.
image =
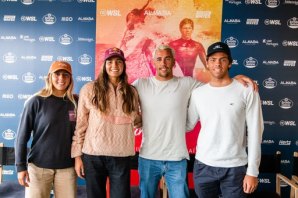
(174, 172)
(98, 168)
(209, 181)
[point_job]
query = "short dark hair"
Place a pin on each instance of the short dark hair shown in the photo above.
(186, 21)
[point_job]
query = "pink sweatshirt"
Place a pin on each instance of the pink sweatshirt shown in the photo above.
(109, 134)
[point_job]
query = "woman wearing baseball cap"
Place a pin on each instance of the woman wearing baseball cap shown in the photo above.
(49, 116)
(108, 111)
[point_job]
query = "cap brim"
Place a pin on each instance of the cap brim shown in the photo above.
(115, 55)
(217, 51)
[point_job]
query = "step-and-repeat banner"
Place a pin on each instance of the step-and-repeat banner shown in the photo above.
(138, 26)
(33, 33)
(261, 33)
(263, 37)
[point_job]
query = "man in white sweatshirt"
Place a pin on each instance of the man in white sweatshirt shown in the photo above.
(231, 122)
(164, 100)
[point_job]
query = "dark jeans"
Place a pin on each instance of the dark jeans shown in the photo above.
(98, 168)
(209, 181)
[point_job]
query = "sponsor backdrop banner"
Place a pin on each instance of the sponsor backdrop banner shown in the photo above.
(138, 26)
(262, 35)
(33, 34)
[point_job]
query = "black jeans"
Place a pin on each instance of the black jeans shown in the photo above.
(98, 168)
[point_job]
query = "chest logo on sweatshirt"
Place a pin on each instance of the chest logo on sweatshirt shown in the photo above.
(72, 116)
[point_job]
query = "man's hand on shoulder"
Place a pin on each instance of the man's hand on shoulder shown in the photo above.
(245, 81)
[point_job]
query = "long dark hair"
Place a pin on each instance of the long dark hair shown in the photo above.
(101, 88)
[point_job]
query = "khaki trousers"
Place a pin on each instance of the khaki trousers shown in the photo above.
(43, 180)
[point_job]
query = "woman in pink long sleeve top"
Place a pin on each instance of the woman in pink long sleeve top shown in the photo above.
(108, 110)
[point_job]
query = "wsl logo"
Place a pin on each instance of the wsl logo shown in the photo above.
(49, 19)
(286, 103)
(250, 62)
(272, 22)
(232, 42)
(286, 43)
(264, 181)
(272, 3)
(114, 13)
(84, 78)
(28, 77)
(10, 77)
(46, 39)
(293, 23)
(254, 2)
(24, 96)
(291, 123)
(28, 18)
(9, 58)
(65, 39)
(85, 59)
(65, 58)
(267, 103)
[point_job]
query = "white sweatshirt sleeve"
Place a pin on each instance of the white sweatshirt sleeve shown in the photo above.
(192, 114)
(255, 127)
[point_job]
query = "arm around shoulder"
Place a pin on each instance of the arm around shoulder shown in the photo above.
(192, 114)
